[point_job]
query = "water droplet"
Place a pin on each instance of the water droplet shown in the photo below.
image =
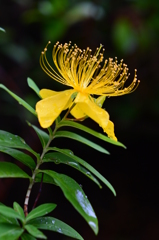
(53, 221)
(59, 230)
(10, 138)
(88, 173)
(57, 161)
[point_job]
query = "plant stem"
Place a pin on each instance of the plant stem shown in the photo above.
(32, 181)
(69, 110)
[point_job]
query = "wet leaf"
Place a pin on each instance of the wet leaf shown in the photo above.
(10, 140)
(57, 158)
(34, 231)
(86, 165)
(53, 224)
(74, 193)
(40, 211)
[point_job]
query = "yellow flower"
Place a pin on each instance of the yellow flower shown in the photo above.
(82, 71)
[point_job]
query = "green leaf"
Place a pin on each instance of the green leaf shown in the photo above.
(27, 236)
(10, 232)
(41, 211)
(33, 86)
(74, 193)
(4, 219)
(81, 139)
(19, 210)
(20, 100)
(64, 123)
(43, 136)
(20, 156)
(10, 170)
(46, 179)
(10, 140)
(2, 29)
(53, 224)
(9, 212)
(57, 158)
(86, 165)
(34, 231)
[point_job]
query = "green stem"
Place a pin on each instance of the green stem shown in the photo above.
(32, 181)
(69, 110)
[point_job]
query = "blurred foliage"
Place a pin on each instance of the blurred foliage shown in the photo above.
(128, 29)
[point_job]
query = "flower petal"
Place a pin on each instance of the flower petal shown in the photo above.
(99, 115)
(45, 93)
(110, 130)
(91, 109)
(49, 108)
(77, 112)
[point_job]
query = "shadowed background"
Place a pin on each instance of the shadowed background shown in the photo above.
(128, 30)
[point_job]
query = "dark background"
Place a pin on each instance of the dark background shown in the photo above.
(128, 30)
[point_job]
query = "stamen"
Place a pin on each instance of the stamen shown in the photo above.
(83, 71)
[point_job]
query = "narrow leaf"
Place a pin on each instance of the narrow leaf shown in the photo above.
(10, 232)
(41, 211)
(33, 86)
(27, 236)
(53, 224)
(43, 136)
(20, 100)
(81, 139)
(86, 165)
(19, 210)
(10, 170)
(10, 140)
(46, 178)
(20, 156)
(34, 231)
(79, 126)
(57, 158)
(9, 212)
(74, 193)
(5, 219)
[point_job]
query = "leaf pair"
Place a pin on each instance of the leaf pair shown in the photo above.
(10, 228)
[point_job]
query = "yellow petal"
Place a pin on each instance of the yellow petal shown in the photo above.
(45, 93)
(48, 109)
(110, 130)
(77, 112)
(90, 108)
